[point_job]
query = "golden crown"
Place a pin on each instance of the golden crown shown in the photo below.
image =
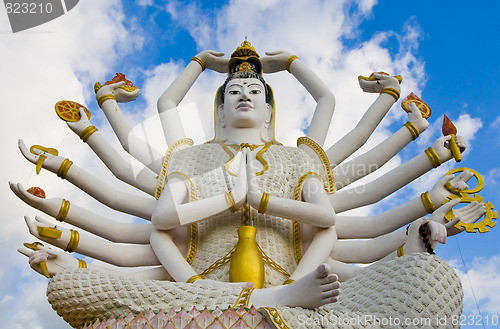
(245, 50)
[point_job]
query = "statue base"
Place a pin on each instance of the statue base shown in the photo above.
(421, 290)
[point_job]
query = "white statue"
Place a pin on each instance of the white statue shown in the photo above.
(287, 201)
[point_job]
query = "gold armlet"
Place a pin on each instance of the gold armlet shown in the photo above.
(263, 203)
(63, 212)
(87, 132)
(290, 61)
(195, 278)
(49, 232)
(427, 203)
(413, 129)
(73, 241)
(391, 91)
(433, 157)
(64, 168)
(288, 281)
(230, 202)
(400, 251)
(104, 98)
(81, 263)
(199, 61)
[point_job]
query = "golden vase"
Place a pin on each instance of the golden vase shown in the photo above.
(246, 263)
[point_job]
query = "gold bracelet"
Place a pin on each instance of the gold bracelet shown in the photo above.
(87, 132)
(73, 241)
(433, 157)
(413, 129)
(195, 278)
(263, 203)
(64, 168)
(104, 98)
(49, 232)
(81, 263)
(288, 281)
(427, 203)
(230, 202)
(199, 61)
(391, 91)
(63, 212)
(401, 251)
(290, 61)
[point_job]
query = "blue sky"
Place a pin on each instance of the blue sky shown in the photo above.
(445, 50)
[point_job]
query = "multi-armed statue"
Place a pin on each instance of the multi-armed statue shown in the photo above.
(243, 220)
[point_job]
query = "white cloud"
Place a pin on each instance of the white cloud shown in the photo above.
(481, 282)
(39, 67)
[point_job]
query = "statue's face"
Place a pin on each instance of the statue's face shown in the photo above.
(245, 104)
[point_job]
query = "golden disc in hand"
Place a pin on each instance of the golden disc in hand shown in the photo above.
(70, 111)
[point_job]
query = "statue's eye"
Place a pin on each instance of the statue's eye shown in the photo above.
(255, 91)
(233, 92)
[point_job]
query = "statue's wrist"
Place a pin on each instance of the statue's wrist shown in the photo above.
(199, 61)
(87, 132)
(392, 92)
(427, 203)
(413, 129)
(102, 98)
(195, 278)
(290, 61)
(433, 157)
(63, 210)
(263, 203)
(230, 202)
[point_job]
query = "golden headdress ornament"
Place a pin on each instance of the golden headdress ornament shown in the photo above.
(245, 50)
(245, 59)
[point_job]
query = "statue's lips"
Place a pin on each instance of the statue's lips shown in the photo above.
(244, 107)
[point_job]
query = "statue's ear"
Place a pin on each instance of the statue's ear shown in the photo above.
(269, 113)
(220, 113)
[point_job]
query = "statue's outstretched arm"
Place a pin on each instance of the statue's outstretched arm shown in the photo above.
(352, 227)
(315, 209)
(111, 197)
(389, 90)
(174, 208)
(64, 211)
(391, 245)
(170, 99)
(351, 171)
(108, 97)
(396, 178)
(50, 261)
(123, 255)
(325, 101)
(141, 178)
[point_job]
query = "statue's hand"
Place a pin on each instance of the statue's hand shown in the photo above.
(81, 124)
(415, 116)
(53, 260)
(34, 225)
(50, 162)
(48, 206)
(254, 195)
(275, 61)
(121, 95)
(443, 149)
(436, 232)
(382, 82)
(214, 61)
(469, 214)
(439, 192)
(239, 191)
